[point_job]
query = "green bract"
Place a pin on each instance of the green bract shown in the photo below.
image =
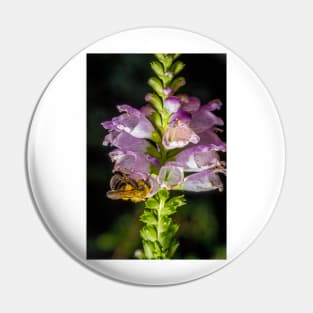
(159, 232)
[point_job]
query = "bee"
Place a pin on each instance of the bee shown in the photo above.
(126, 188)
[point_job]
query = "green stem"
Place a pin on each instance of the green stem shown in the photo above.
(158, 233)
(159, 219)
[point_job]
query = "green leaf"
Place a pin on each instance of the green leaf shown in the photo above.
(169, 210)
(148, 232)
(148, 248)
(177, 67)
(172, 153)
(151, 150)
(155, 136)
(177, 83)
(156, 85)
(160, 57)
(157, 250)
(165, 223)
(172, 230)
(149, 217)
(175, 56)
(163, 194)
(176, 201)
(168, 60)
(154, 169)
(155, 118)
(172, 249)
(168, 76)
(165, 240)
(173, 204)
(151, 203)
(157, 68)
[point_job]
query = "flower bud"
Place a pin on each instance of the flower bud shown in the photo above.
(177, 83)
(157, 68)
(156, 85)
(177, 67)
(154, 100)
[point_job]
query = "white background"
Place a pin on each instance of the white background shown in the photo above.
(37, 37)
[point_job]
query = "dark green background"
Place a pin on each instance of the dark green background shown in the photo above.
(113, 226)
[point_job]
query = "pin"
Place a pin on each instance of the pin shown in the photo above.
(155, 156)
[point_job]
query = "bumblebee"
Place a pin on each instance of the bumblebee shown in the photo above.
(126, 188)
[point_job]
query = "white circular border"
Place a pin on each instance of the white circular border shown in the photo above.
(56, 156)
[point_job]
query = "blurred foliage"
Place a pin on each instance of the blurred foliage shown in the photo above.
(113, 226)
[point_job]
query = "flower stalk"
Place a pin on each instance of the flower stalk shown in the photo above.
(158, 234)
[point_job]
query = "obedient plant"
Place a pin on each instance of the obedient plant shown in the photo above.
(168, 146)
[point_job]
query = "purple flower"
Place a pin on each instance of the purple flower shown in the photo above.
(206, 180)
(194, 127)
(179, 136)
(198, 158)
(171, 175)
(190, 127)
(168, 91)
(123, 140)
(147, 110)
(213, 105)
(189, 104)
(180, 117)
(212, 140)
(135, 165)
(132, 121)
(171, 104)
(191, 123)
(204, 119)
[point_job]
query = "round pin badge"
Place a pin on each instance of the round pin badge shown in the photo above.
(155, 156)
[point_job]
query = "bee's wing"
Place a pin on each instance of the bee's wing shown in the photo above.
(115, 181)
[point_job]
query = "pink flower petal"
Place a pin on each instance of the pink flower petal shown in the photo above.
(204, 119)
(132, 121)
(206, 180)
(171, 104)
(170, 175)
(211, 139)
(133, 164)
(178, 137)
(198, 158)
(125, 141)
(189, 104)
